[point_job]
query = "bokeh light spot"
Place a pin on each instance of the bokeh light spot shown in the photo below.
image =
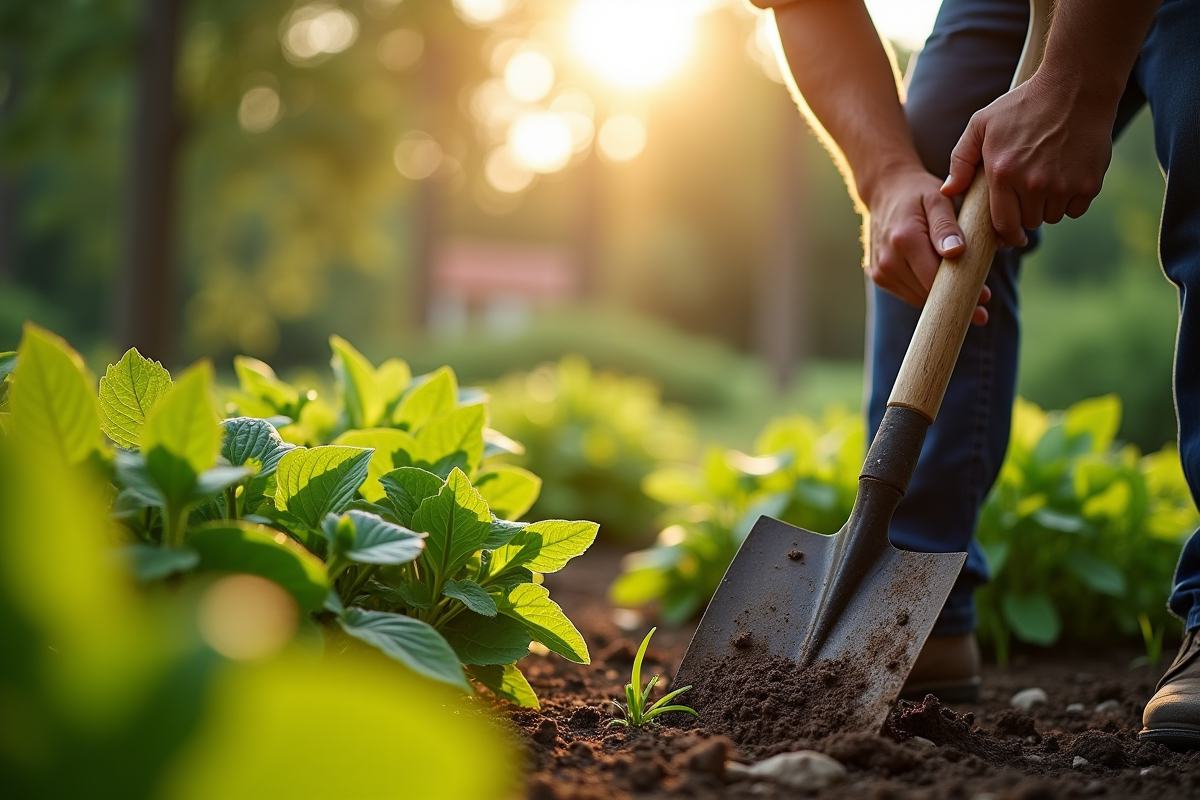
(541, 141)
(318, 29)
(482, 12)
(504, 173)
(400, 49)
(529, 76)
(260, 109)
(622, 137)
(418, 155)
(247, 618)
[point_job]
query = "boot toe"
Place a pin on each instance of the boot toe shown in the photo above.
(1172, 716)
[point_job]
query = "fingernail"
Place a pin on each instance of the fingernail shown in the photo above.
(952, 241)
(946, 182)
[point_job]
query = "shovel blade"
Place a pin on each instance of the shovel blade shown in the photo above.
(774, 591)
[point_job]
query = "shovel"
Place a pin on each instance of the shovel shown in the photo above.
(852, 596)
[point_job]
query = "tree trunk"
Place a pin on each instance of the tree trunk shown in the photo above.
(147, 303)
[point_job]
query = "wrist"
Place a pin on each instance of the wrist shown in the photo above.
(875, 181)
(1090, 92)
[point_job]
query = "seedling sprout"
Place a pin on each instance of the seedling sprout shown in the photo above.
(635, 714)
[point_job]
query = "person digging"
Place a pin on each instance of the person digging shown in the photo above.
(1044, 148)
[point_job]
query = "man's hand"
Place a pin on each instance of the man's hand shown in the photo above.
(912, 227)
(1044, 153)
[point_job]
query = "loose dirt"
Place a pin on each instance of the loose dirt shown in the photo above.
(1082, 743)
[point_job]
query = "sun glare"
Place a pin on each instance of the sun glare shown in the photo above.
(541, 141)
(634, 44)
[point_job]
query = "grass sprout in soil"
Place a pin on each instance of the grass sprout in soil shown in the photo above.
(1081, 743)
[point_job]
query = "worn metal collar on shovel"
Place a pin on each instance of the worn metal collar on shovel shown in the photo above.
(811, 598)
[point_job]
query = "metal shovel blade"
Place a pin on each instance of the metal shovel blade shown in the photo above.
(786, 594)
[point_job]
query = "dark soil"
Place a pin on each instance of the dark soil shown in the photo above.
(984, 751)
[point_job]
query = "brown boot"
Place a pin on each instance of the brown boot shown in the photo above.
(947, 668)
(1172, 716)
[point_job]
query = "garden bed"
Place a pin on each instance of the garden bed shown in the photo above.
(986, 750)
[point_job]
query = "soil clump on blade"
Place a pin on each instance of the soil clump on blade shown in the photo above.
(769, 705)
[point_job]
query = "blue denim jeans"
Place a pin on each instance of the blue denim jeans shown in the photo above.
(968, 62)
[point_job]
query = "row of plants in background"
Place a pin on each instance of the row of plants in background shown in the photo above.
(207, 684)
(384, 511)
(1078, 527)
(804, 472)
(593, 437)
(1081, 528)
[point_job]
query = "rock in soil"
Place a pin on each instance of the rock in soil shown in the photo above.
(806, 769)
(1026, 699)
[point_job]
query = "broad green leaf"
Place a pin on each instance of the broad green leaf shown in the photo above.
(997, 556)
(393, 377)
(407, 488)
(248, 439)
(457, 521)
(393, 449)
(415, 595)
(545, 546)
(361, 393)
(368, 539)
(259, 381)
(507, 683)
(51, 400)
(437, 395)
(410, 641)
(458, 432)
(1097, 574)
(311, 483)
(509, 491)
(128, 390)
(480, 641)
(675, 486)
(151, 563)
(472, 595)
(1033, 618)
(636, 587)
(8, 362)
(258, 550)
(502, 533)
(530, 604)
(184, 421)
(496, 443)
(1098, 417)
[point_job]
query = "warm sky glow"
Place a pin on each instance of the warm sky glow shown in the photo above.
(907, 22)
(634, 44)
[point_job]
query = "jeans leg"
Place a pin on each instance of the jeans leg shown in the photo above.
(1168, 71)
(967, 63)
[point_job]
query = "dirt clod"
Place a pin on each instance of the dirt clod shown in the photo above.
(743, 640)
(1099, 748)
(709, 757)
(585, 718)
(546, 733)
(796, 555)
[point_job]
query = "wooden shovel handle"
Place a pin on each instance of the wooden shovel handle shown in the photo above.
(946, 317)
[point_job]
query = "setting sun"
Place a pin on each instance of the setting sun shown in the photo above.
(633, 44)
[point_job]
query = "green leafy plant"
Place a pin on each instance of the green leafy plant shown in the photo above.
(804, 472)
(1080, 527)
(594, 436)
(635, 713)
(401, 534)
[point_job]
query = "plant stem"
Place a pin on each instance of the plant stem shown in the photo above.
(364, 574)
(231, 503)
(174, 525)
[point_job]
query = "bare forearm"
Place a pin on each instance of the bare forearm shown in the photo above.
(1092, 47)
(848, 87)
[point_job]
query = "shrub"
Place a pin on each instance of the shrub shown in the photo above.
(1078, 526)
(594, 436)
(399, 532)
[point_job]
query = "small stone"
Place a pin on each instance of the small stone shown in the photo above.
(922, 743)
(627, 619)
(1079, 761)
(1033, 757)
(805, 769)
(1108, 707)
(1146, 771)
(546, 733)
(1094, 788)
(1076, 708)
(1026, 699)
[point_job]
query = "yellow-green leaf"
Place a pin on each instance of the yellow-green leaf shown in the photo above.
(360, 390)
(393, 449)
(311, 483)
(128, 391)
(437, 395)
(530, 604)
(52, 402)
(184, 421)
